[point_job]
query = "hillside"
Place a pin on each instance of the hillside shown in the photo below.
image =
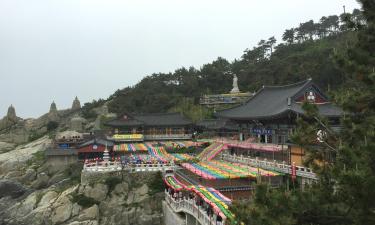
(309, 52)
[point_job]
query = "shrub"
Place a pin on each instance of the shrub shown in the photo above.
(74, 172)
(111, 182)
(83, 200)
(156, 184)
(52, 125)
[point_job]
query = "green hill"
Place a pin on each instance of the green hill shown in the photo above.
(307, 51)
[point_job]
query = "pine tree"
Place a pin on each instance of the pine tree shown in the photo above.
(345, 161)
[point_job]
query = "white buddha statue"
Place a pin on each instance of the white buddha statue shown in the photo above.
(235, 88)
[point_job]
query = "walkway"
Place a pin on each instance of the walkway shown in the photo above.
(273, 166)
(188, 206)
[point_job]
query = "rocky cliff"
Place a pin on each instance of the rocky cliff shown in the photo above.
(33, 193)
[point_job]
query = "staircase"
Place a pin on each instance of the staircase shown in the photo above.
(211, 151)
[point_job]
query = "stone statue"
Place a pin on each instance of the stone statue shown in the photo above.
(53, 107)
(76, 104)
(235, 88)
(53, 114)
(11, 115)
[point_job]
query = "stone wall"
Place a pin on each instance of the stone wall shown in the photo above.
(171, 218)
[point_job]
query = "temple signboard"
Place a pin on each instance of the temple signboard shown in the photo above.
(262, 131)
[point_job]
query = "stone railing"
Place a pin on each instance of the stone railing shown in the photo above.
(188, 206)
(251, 145)
(117, 166)
(273, 166)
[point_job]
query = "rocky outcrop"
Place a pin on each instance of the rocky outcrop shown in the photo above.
(11, 188)
(6, 147)
(15, 160)
(83, 204)
(31, 193)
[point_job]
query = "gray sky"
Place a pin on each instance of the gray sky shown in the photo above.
(57, 49)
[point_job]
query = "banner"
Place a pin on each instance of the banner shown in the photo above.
(294, 172)
(127, 136)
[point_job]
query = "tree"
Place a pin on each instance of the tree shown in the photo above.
(345, 193)
(333, 23)
(270, 43)
(288, 35)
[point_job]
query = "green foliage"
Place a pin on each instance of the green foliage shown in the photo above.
(52, 125)
(111, 182)
(88, 108)
(344, 161)
(193, 111)
(35, 135)
(156, 184)
(37, 159)
(83, 200)
(74, 172)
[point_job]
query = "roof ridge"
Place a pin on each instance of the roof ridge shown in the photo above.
(154, 114)
(289, 85)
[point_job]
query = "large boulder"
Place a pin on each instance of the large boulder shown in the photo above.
(62, 213)
(11, 188)
(41, 181)
(6, 147)
(29, 176)
(98, 191)
(91, 213)
(47, 198)
(63, 207)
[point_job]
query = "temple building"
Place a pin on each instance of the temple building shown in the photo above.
(270, 115)
(217, 128)
(94, 148)
(150, 127)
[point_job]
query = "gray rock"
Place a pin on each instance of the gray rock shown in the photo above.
(47, 198)
(62, 213)
(41, 181)
(88, 222)
(98, 192)
(29, 176)
(6, 147)
(11, 188)
(91, 213)
(121, 189)
(76, 209)
(142, 190)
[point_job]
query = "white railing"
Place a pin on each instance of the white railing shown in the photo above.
(102, 166)
(269, 165)
(189, 206)
(251, 145)
(116, 166)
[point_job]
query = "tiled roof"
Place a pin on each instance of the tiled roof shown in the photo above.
(272, 101)
(152, 119)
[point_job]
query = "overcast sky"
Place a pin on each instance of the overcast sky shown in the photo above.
(57, 49)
